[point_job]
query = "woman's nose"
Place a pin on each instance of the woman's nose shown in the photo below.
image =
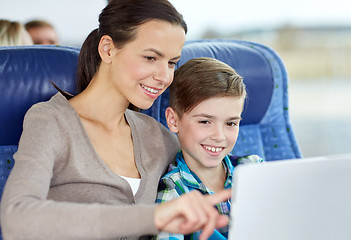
(164, 74)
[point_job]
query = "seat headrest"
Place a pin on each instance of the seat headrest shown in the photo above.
(248, 62)
(25, 75)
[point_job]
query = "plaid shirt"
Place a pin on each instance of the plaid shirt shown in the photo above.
(180, 179)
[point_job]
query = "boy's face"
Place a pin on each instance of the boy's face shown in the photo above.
(208, 132)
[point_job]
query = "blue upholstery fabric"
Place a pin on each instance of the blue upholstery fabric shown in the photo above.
(265, 129)
(25, 78)
(6, 163)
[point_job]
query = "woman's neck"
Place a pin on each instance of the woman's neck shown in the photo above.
(100, 104)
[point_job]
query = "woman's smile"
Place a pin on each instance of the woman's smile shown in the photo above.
(151, 92)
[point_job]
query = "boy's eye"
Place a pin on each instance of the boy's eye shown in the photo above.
(204, 122)
(232, 124)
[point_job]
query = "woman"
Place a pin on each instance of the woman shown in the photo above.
(88, 168)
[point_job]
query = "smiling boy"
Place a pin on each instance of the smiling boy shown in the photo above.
(206, 101)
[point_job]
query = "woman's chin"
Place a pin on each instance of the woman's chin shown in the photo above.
(144, 105)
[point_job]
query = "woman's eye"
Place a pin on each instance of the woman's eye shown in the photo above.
(172, 64)
(150, 58)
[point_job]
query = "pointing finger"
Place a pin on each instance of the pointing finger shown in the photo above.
(220, 196)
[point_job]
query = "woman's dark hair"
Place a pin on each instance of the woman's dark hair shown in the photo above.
(119, 20)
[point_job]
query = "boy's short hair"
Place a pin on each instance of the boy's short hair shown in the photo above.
(200, 79)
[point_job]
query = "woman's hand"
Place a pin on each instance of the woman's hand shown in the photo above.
(192, 212)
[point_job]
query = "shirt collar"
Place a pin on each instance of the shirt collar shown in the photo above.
(190, 179)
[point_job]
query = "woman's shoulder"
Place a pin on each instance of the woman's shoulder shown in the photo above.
(56, 102)
(56, 106)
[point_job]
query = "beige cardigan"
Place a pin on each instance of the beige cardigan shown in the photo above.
(60, 189)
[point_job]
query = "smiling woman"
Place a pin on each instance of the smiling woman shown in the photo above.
(79, 185)
(122, 74)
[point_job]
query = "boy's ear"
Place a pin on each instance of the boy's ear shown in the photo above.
(172, 119)
(105, 48)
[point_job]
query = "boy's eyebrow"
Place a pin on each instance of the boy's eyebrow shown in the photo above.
(236, 117)
(203, 115)
(210, 116)
(160, 54)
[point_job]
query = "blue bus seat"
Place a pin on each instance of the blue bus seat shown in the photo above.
(25, 75)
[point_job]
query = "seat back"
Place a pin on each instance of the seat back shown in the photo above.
(25, 75)
(265, 128)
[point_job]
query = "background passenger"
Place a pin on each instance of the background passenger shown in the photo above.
(13, 33)
(42, 32)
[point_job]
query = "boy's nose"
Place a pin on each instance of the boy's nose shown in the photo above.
(218, 134)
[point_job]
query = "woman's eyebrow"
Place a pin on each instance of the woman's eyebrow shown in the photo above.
(159, 53)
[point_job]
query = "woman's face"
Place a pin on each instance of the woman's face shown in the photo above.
(144, 67)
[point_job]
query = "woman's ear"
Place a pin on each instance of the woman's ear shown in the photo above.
(172, 119)
(106, 45)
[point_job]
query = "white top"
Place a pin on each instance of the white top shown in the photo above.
(133, 183)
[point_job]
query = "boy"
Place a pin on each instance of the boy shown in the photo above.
(206, 100)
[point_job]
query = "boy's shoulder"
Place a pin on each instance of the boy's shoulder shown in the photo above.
(172, 184)
(173, 172)
(180, 174)
(236, 160)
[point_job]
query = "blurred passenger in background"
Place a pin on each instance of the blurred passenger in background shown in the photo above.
(42, 32)
(13, 33)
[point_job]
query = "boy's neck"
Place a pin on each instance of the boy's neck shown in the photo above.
(212, 178)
